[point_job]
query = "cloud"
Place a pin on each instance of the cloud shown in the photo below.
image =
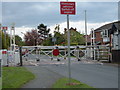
(80, 25)
(31, 14)
(28, 15)
(21, 30)
(0, 11)
(60, 0)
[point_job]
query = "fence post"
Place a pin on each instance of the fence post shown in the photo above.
(78, 53)
(98, 53)
(20, 51)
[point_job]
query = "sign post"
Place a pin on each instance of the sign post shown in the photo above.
(68, 8)
(54, 40)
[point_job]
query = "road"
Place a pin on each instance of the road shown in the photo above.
(98, 76)
(94, 74)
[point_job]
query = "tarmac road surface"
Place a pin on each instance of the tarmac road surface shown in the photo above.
(94, 74)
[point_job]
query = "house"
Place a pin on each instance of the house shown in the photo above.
(108, 34)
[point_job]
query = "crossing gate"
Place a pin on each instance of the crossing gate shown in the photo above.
(98, 52)
(44, 54)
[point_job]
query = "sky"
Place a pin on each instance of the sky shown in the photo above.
(28, 15)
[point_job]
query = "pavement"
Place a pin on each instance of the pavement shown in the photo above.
(45, 78)
(93, 73)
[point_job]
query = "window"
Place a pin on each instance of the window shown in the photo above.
(104, 33)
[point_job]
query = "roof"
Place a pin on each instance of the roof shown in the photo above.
(109, 26)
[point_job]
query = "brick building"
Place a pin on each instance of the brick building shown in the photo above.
(108, 34)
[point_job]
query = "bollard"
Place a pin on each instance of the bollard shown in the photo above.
(77, 48)
(37, 59)
(20, 51)
(58, 59)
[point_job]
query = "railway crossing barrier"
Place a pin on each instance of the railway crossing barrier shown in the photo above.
(27, 53)
(52, 52)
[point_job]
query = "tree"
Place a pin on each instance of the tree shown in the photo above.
(18, 40)
(43, 31)
(4, 44)
(48, 41)
(59, 38)
(76, 38)
(32, 38)
(57, 27)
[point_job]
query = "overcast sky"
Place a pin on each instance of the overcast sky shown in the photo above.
(27, 15)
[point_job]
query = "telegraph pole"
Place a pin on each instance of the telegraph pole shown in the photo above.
(86, 33)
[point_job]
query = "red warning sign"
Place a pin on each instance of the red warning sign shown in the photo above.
(4, 52)
(56, 52)
(67, 8)
(4, 28)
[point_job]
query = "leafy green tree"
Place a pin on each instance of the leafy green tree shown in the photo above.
(4, 44)
(48, 41)
(43, 31)
(76, 38)
(57, 27)
(60, 40)
(18, 40)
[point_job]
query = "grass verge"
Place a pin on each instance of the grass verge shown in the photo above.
(0, 83)
(15, 77)
(63, 83)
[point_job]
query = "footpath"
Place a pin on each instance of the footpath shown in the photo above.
(101, 62)
(44, 77)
